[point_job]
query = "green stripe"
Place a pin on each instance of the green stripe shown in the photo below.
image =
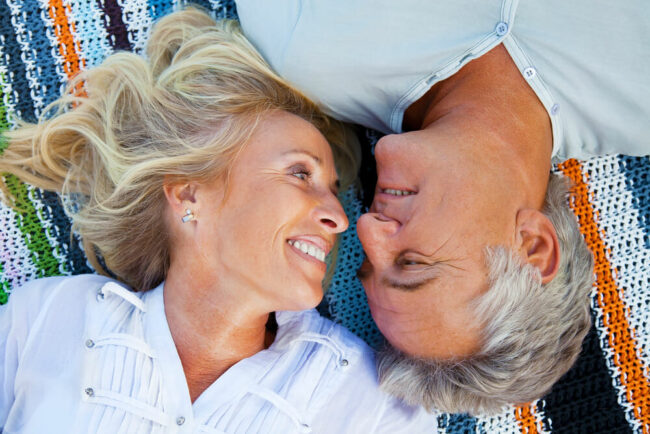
(4, 284)
(32, 229)
(26, 219)
(4, 124)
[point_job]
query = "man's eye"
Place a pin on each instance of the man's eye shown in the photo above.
(403, 262)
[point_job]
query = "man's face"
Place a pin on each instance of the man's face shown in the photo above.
(437, 206)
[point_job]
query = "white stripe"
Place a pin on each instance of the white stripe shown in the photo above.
(18, 267)
(618, 219)
(135, 14)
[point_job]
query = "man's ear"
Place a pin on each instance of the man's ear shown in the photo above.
(180, 196)
(536, 241)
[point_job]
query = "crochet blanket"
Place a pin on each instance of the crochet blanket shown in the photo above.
(45, 42)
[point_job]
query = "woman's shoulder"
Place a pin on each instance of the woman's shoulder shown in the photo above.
(346, 365)
(310, 325)
(38, 293)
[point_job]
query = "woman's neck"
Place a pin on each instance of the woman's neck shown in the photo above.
(212, 328)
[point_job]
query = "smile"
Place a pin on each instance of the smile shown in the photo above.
(394, 192)
(309, 249)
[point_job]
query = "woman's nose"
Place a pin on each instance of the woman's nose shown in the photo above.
(330, 215)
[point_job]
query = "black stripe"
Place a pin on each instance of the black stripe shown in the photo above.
(114, 24)
(584, 400)
(637, 180)
(17, 74)
(52, 212)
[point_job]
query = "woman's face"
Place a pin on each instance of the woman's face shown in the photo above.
(268, 237)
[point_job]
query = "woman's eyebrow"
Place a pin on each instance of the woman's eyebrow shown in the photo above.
(303, 152)
(336, 184)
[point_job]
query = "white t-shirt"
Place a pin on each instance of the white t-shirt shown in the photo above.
(85, 355)
(367, 61)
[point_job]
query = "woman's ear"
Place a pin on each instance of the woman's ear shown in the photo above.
(180, 196)
(536, 241)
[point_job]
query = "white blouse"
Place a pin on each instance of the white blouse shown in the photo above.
(84, 354)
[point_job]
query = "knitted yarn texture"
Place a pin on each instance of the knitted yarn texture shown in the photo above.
(44, 43)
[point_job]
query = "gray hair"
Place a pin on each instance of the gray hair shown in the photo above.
(532, 332)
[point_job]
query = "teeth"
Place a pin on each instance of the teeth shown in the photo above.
(309, 249)
(394, 192)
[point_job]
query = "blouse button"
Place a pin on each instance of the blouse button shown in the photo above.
(89, 391)
(501, 28)
(344, 362)
(90, 343)
(180, 420)
(100, 295)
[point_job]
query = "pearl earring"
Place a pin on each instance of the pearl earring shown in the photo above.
(188, 216)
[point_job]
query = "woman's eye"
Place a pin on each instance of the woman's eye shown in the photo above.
(300, 172)
(301, 175)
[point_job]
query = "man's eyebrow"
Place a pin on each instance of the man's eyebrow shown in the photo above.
(304, 152)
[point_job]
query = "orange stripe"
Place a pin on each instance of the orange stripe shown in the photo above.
(63, 29)
(620, 335)
(525, 415)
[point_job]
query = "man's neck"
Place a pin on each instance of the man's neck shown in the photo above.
(490, 96)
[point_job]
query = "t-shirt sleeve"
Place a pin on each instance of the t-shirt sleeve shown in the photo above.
(269, 26)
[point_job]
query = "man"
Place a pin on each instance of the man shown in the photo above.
(476, 272)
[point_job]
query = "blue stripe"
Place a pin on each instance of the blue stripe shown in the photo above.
(159, 8)
(456, 423)
(226, 9)
(637, 180)
(47, 81)
(91, 33)
(21, 98)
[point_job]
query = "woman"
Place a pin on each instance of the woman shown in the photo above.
(203, 183)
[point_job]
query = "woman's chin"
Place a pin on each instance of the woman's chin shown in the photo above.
(307, 299)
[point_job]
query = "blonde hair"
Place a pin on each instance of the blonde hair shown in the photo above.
(532, 332)
(124, 126)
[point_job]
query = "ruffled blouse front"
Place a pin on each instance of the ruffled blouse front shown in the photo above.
(85, 354)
